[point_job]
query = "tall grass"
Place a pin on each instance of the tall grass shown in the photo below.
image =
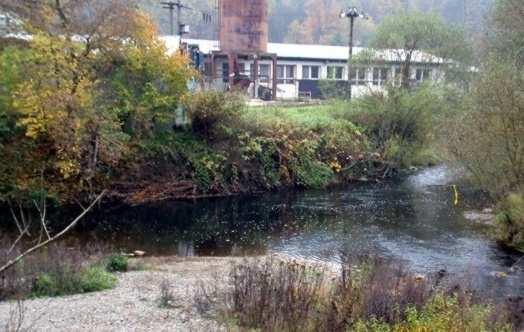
(366, 294)
(57, 270)
(308, 117)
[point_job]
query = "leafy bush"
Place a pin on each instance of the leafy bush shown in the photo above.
(308, 171)
(90, 279)
(448, 313)
(486, 136)
(440, 314)
(265, 152)
(399, 123)
(117, 263)
(78, 125)
(331, 89)
(212, 113)
(209, 170)
(302, 146)
(54, 270)
(510, 221)
(96, 278)
(48, 285)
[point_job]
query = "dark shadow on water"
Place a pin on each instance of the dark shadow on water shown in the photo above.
(413, 220)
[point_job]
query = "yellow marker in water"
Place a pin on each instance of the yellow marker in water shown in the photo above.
(456, 202)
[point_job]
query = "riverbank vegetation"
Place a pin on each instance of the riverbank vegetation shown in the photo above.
(60, 270)
(486, 134)
(110, 119)
(365, 294)
(107, 120)
(79, 115)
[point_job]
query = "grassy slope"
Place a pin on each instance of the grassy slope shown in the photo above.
(309, 117)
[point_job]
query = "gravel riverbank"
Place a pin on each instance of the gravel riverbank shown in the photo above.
(133, 305)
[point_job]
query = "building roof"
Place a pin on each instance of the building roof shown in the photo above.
(309, 52)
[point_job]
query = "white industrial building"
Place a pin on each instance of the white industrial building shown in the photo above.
(300, 68)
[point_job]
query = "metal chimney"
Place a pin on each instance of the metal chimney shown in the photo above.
(243, 26)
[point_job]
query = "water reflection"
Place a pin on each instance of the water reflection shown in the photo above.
(413, 220)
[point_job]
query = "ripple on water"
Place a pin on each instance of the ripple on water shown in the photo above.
(414, 221)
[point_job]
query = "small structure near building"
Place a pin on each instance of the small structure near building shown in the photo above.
(297, 71)
(243, 59)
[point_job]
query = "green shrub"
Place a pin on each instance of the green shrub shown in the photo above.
(510, 221)
(485, 135)
(46, 285)
(265, 153)
(304, 146)
(399, 123)
(58, 282)
(96, 278)
(67, 282)
(444, 313)
(331, 89)
(208, 170)
(441, 314)
(213, 114)
(311, 173)
(308, 170)
(117, 263)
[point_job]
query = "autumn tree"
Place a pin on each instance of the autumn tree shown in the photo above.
(322, 25)
(89, 67)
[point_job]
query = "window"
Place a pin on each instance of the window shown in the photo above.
(358, 76)
(310, 72)
(207, 70)
(335, 72)
(286, 74)
(306, 72)
(225, 72)
(263, 72)
(315, 72)
(241, 68)
(423, 75)
(397, 78)
(380, 76)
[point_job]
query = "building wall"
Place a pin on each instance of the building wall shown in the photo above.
(293, 90)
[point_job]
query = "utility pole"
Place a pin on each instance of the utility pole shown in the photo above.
(172, 5)
(351, 13)
(465, 18)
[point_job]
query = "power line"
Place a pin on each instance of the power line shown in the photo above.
(206, 16)
(172, 5)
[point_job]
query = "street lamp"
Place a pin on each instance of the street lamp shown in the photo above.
(351, 13)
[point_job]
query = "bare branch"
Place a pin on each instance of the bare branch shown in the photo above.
(18, 239)
(41, 245)
(42, 212)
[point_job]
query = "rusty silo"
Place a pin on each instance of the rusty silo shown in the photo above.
(243, 26)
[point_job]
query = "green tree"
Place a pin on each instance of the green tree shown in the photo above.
(416, 36)
(487, 137)
(65, 100)
(506, 31)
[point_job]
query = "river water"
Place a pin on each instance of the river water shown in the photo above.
(414, 220)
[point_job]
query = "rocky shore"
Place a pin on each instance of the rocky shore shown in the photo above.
(133, 305)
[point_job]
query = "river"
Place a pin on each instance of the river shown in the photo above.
(414, 220)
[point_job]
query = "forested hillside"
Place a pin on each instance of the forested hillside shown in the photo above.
(316, 21)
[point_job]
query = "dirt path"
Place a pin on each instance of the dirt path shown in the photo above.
(133, 305)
